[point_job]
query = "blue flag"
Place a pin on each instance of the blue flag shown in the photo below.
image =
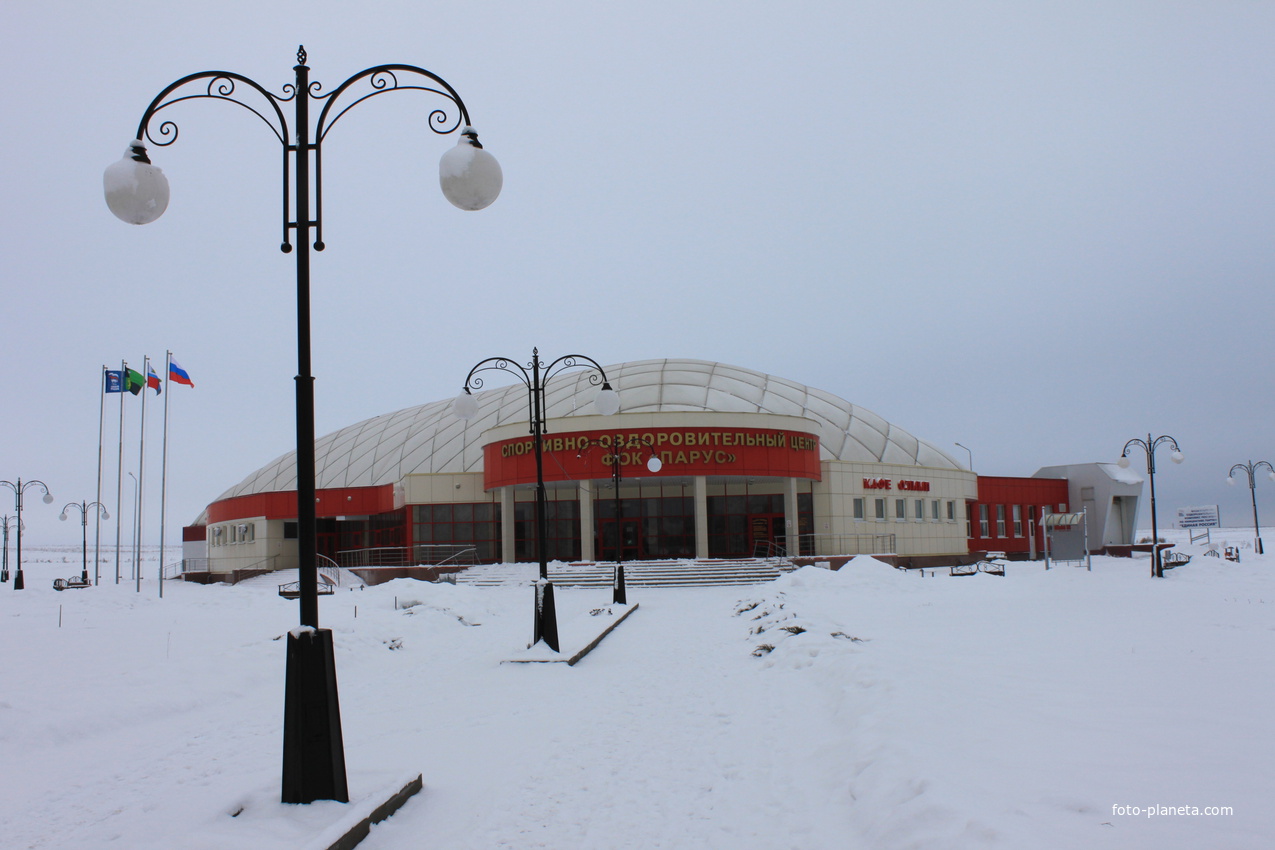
(114, 381)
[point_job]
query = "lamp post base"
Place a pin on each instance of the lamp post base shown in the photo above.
(618, 594)
(18, 583)
(313, 749)
(546, 616)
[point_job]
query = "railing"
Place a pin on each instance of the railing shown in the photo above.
(436, 554)
(329, 570)
(228, 565)
(768, 549)
(848, 544)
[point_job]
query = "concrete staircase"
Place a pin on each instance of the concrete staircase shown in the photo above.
(712, 573)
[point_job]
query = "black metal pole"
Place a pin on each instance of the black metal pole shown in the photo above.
(313, 746)
(84, 543)
(546, 627)
(307, 546)
(619, 596)
(1156, 569)
(1257, 528)
(18, 582)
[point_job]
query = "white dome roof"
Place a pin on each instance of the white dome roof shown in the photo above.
(430, 439)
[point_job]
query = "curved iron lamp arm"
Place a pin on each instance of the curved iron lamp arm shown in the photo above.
(227, 85)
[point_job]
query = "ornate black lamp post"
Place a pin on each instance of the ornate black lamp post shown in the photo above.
(137, 192)
(1251, 468)
(83, 508)
(18, 489)
(8, 523)
(619, 450)
(1149, 445)
(535, 375)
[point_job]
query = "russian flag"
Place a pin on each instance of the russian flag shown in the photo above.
(152, 380)
(178, 375)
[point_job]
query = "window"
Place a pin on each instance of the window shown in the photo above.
(951, 511)
(919, 510)
(858, 508)
(880, 509)
(901, 509)
(983, 529)
(1000, 520)
(1018, 520)
(467, 524)
(934, 509)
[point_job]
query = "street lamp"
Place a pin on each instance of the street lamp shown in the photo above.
(137, 193)
(607, 402)
(7, 523)
(1149, 445)
(617, 456)
(83, 508)
(1251, 468)
(970, 453)
(18, 489)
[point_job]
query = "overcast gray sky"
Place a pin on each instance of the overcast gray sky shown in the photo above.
(1039, 229)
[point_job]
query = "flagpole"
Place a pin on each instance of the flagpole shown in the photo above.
(163, 473)
(141, 468)
(119, 477)
(97, 521)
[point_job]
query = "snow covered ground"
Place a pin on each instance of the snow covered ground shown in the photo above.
(1039, 709)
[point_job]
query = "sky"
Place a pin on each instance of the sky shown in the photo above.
(1039, 230)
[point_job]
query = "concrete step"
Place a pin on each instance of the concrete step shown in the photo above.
(637, 573)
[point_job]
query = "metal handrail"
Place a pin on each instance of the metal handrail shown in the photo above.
(849, 544)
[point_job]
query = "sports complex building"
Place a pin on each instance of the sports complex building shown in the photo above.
(749, 464)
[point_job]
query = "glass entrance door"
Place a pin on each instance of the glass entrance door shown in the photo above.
(629, 532)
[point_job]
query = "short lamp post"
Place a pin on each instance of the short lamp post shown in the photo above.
(1149, 445)
(83, 508)
(18, 489)
(621, 450)
(535, 375)
(137, 193)
(8, 523)
(1252, 468)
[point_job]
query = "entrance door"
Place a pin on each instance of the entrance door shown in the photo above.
(765, 531)
(630, 539)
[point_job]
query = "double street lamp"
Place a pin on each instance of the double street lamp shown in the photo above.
(137, 193)
(621, 450)
(6, 524)
(1149, 445)
(18, 489)
(1251, 468)
(534, 376)
(83, 508)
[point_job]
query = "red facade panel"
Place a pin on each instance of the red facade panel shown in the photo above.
(582, 455)
(332, 502)
(1008, 510)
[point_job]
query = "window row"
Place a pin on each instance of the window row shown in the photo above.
(232, 533)
(905, 510)
(1007, 517)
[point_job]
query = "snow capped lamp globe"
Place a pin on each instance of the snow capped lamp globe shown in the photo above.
(607, 401)
(48, 497)
(470, 177)
(136, 191)
(465, 406)
(654, 464)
